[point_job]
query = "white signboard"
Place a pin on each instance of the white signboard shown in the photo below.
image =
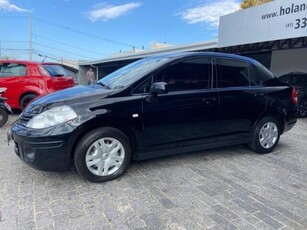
(275, 20)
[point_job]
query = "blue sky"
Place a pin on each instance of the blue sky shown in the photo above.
(94, 29)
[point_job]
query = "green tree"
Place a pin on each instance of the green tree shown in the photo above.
(250, 3)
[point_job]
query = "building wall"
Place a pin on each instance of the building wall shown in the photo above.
(274, 20)
(286, 61)
(82, 75)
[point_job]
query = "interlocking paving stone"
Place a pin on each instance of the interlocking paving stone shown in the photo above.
(217, 189)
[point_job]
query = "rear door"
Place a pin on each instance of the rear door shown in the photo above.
(242, 97)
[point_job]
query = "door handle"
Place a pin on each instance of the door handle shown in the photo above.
(209, 101)
(259, 94)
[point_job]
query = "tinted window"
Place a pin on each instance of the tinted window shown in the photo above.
(55, 70)
(232, 73)
(299, 80)
(184, 75)
(264, 72)
(255, 79)
(12, 69)
(284, 78)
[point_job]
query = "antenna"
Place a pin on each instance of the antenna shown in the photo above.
(45, 56)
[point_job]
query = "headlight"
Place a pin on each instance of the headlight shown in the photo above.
(51, 117)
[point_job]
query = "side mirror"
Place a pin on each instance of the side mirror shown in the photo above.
(158, 88)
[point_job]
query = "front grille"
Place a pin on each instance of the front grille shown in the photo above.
(17, 149)
(25, 117)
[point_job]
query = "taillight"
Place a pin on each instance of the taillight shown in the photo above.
(294, 95)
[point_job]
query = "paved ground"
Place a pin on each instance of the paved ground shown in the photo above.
(227, 188)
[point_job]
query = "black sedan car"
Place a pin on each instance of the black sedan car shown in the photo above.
(299, 81)
(157, 106)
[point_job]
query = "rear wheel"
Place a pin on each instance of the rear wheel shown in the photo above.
(102, 154)
(25, 100)
(302, 108)
(3, 116)
(265, 135)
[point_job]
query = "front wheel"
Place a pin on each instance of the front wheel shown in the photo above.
(265, 136)
(3, 116)
(103, 154)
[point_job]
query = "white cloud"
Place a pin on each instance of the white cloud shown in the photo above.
(210, 13)
(6, 5)
(106, 12)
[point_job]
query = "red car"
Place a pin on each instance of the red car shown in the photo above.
(25, 80)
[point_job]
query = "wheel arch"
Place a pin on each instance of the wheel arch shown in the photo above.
(278, 115)
(27, 93)
(96, 123)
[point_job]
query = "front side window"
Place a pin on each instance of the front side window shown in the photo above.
(184, 75)
(12, 70)
(233, 73)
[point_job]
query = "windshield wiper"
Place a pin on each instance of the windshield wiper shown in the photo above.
(103, 85)
(119, 87)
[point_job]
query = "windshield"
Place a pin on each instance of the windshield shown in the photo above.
(129, 74)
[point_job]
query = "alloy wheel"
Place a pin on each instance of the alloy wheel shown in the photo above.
(268, 135)
(105, 156)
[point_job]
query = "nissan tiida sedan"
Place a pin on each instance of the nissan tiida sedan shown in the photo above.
(157, 106)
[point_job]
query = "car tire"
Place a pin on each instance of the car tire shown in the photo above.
(3, 117)
(265, 135)
(302, 108)
(26, 99)
(103, 154)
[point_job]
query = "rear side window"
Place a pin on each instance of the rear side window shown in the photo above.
(234, 73)
(12, 70)
(284, 78)
(55, 70)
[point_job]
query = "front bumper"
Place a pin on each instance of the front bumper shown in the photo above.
(42, 152)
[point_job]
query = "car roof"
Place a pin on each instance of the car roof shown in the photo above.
(179, 55)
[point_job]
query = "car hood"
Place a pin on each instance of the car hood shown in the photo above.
(68, 96)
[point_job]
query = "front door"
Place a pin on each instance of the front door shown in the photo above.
(188, 114)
